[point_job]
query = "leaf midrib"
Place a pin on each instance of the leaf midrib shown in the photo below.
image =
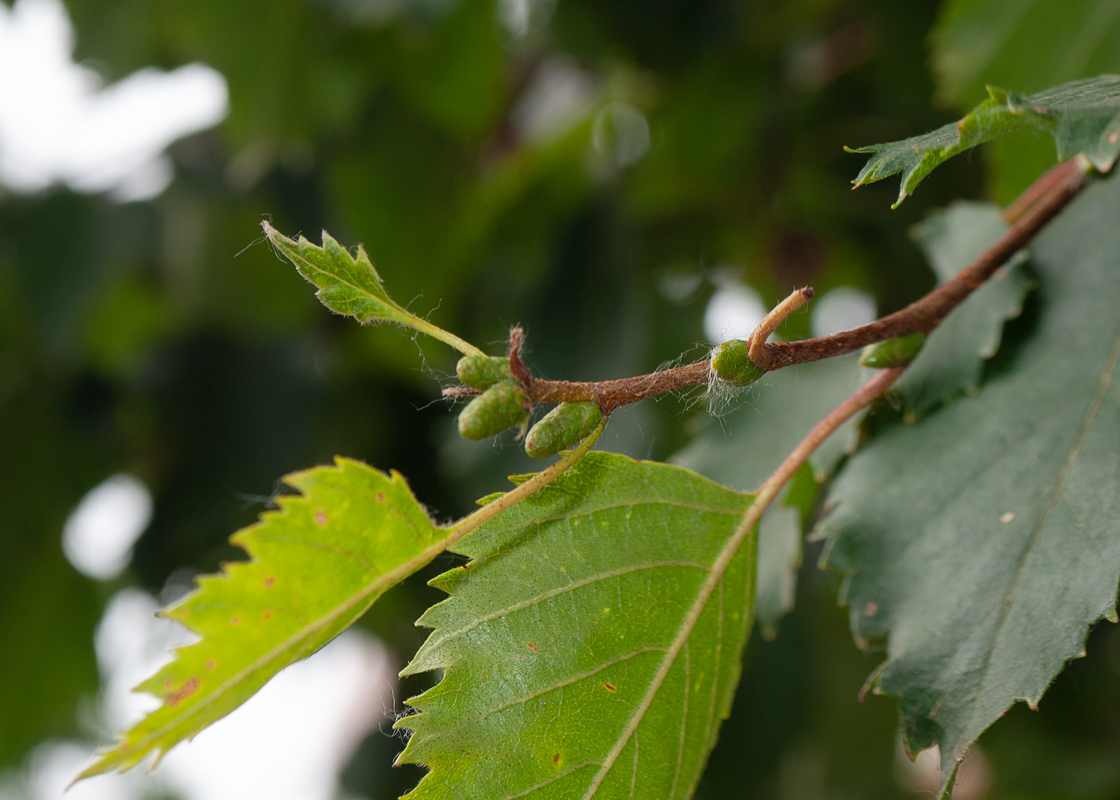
(718, 569)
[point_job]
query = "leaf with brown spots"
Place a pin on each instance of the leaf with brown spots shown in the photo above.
(316, 564)
(632, 579)
(982, 542)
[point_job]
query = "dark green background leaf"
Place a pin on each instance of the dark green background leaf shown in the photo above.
(984, 541)
(950, 361)
(1026, 45)
(1029, 45)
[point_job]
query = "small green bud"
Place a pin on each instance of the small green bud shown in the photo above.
(498, 408)
(893, 352)
(731, 362)
(482, 372)
(562, 427)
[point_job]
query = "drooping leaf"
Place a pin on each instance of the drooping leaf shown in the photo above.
(950, 362)
(1082, 117)
(744, 448)
(316, 565)
(985, 540)
(350, 285)
(591, 647)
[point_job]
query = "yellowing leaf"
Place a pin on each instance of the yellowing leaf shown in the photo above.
(316, 565)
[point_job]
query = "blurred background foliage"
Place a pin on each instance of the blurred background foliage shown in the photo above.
(592, 170)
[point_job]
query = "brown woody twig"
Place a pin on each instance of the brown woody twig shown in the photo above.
(1036, 206)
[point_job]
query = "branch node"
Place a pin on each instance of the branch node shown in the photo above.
(518, 367)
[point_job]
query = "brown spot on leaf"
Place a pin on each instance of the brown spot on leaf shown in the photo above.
(871, 609)
(269, 582)
(266, 616)
(1114, 137)
(534, 648)
(320, 517)
(186, 690)
(556, 759)
(210, 665)
(610, 687)
(235, 620)
(381, 497)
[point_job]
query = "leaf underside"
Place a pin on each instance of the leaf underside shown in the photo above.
(951, 361)
(1082, 117)
(315, 566)
(984, 541)
(561, 679)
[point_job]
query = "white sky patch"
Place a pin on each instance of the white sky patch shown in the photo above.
(522, 17)
(290, 741)
(839, 310)
(621, 133)
(59, 125)
(733, 313)
(99, 534)
(559, 96)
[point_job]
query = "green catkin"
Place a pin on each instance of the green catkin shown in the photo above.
(893, 352)
(482, 372)
(499, 408)
(731, 362)
(561, 428)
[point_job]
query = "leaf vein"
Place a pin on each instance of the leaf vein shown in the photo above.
(541, 692)
(571, 587)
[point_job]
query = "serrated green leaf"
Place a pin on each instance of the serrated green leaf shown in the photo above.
(350, 285)
(985, 540)
(592, 646)
(316, 565)
(742, 450)
(1083, 117)
(953, 356)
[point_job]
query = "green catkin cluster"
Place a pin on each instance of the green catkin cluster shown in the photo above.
(561, 428)
(731, 362)
(893, 352)
(482, 372)
(500, 407)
